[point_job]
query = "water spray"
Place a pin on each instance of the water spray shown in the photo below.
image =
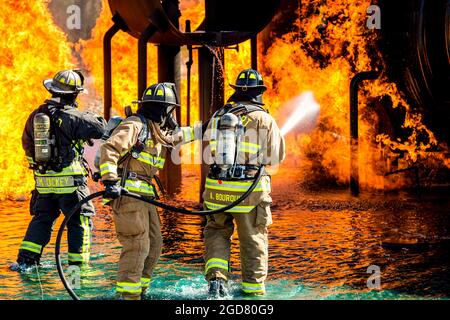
(305, 112)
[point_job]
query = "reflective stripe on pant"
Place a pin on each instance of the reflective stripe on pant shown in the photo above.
(83, 257)
(31, 246)
(145, 282)
(253, 244)
(47, 210)
(138, 230)
(129, 287)
(253, 287)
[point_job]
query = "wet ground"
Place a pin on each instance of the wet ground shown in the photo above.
(321, 246)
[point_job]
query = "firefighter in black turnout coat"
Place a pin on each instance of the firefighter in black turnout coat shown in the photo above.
(53, 141)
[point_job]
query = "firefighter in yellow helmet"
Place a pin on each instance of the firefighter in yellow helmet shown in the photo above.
(259, 143)
(129, 159)
(53, 141)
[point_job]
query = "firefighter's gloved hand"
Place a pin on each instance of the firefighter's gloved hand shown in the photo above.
(113, 190)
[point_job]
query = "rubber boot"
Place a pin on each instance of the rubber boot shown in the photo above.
(24, 263)
(125, 296)
(144, 290)
(217, 288)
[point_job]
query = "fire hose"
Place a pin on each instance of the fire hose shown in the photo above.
(149, 200)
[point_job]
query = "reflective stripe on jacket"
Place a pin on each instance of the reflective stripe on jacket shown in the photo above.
(220, 193)
(59, 182)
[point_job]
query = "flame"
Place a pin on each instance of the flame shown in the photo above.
(193, 10)
(329, 48)
(27, 59)
(124, 61)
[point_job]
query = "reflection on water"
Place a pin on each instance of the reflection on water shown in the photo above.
(320, 248)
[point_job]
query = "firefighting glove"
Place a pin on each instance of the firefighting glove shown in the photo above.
(113, 190)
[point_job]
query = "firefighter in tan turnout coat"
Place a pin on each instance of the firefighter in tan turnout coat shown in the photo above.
(261, 144)
(130, 158)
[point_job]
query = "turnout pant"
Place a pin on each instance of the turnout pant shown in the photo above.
(138, 229)
(47, 208)
(253, 244)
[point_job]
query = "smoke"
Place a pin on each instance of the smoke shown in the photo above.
(304, 112)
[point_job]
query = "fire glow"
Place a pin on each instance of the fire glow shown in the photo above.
(27, 58)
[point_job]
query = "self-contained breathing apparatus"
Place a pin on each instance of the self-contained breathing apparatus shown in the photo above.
(47, 143)
(43, 141)
(229, 137)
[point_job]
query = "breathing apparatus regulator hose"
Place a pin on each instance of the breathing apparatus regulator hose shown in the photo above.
(162, 205)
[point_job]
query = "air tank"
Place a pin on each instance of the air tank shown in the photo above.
(42, 141)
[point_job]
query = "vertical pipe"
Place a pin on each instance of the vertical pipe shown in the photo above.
(210, 78)
(188, 75)
(142, 58)
(254, 51)
(107, 78)
(169, 71)
(211, 92)
(354, 134)
(169, 61)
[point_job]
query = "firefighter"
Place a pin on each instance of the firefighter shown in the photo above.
(260, 143)
(129, 159)
(59, 168)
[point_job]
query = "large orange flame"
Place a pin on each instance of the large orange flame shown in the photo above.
(332, 45)
(27, 57)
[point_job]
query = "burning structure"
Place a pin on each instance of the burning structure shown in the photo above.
(313, 46)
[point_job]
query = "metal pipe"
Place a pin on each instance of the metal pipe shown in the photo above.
(169, 71)
(188, 75)
(254, 51)
(211, 93)
(142, 58)
(354, 134)
(107, 77)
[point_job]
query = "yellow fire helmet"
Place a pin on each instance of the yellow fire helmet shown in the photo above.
(66, 82)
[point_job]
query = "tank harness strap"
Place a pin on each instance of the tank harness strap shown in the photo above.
(74, 144)
(143, 137)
